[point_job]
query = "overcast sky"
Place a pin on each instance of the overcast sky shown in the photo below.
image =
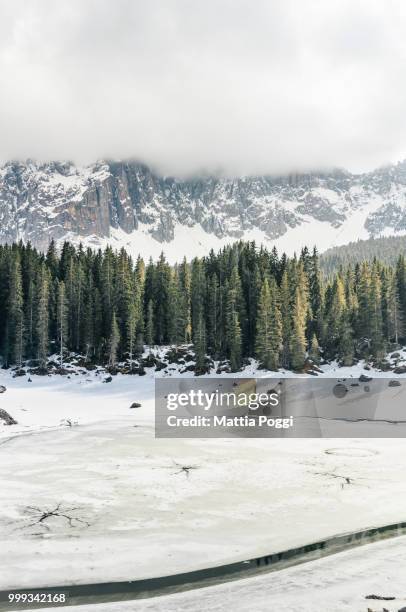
(234, 86)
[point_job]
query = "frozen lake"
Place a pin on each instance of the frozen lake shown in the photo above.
(104, 500)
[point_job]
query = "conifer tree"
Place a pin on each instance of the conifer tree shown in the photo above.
(364, 301)
(335, 315)
(376, 330)
(162, 281)
(269, 327)
(345, 343)
(198, 292)
(42, 316)
(401, 281)
(285, 301)
(149, 328)
(185, 281)
(298, 336)
(234, 341)
(16, 312)
(62, 319)
(232, 327)
(131, 323)
(395, 323)
(214, 331)
(78, 306)
(91, 328)
(175, 323)
(114, 341)
(316, 296)
(199, 343)
(51, 260)
(139, 300)
(314, 352)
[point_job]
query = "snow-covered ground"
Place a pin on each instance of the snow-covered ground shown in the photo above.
(339, 583)
(118, 505)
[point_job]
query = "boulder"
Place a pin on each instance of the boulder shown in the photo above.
(108, 379)
(364, 378)
(160, 365)
(7, 418)
(149, 361)
(384, 365)
(135, 405)
(394, 383)
(3, 389)
(18, 373)
(400, 369)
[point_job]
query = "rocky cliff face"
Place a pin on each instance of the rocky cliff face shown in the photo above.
(57, 200)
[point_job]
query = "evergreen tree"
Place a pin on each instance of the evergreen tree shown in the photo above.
(175, 323)
(131, 322)
(269, 327)
(16, 312)
(214, 331)
(234, 341)
(42, 317)
(185, 281)
(199, 343)
(114, 341)
(286, 318)
(314, 352)
(232, 323)
(364, 301)
(375, 308)
(51, 260)
(346, 343)
(62, 319)
(161, 301)
(149, 328)
(316, 296)
(395, 323)
(298, 336)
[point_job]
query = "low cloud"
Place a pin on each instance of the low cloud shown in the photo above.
(231, 86)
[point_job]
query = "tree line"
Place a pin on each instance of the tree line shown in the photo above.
(242, 302)
(385, 248)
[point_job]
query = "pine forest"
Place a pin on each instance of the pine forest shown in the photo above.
(244, 302)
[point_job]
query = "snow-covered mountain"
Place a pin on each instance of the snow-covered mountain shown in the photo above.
(127, 204)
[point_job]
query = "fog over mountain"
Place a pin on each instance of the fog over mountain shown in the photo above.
(230, 87)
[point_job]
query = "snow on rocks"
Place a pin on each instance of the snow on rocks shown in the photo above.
(6, 418)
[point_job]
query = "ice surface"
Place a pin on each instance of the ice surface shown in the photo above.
(133, 513)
